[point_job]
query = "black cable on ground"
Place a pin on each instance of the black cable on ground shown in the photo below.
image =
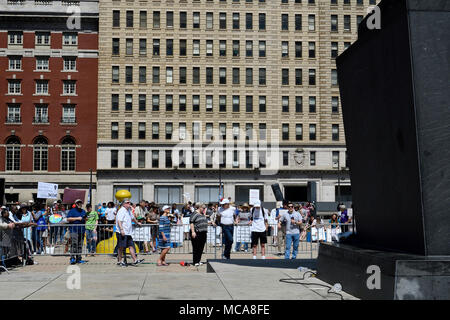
(297, 281)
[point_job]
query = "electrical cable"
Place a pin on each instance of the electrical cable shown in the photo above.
(330, 288)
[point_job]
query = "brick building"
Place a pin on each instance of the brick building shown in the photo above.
(48, 95)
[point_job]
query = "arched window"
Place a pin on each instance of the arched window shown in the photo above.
(68, 154)
(40, 149)
(13, 154)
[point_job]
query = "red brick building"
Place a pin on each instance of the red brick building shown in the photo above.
(48, 95)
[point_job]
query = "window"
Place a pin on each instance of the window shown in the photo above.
(209, 103)
(13, 154)
(298, 22)
(285, 76)
(68, 154)
(196, 48)
(40, 113)
(249, 104)
(284, 22)
(155, 102)
(222, 103)
(182, 101)
(334, 22)
(182, 131)
(129, 47)
(70, 39)
(298, 131)
(141, 158)
(223, 131)
(285, 158)
(347, 22)
(334, 77)
(284, 49)
(183, 20)
(249, 131)
(41, 87)
(222, 20)
(312, 77)
(262, 103)
(262, 21)
(249, 76)
(236, 106)
(128, 130)
(42, 38)
(168, 194)
(40, 153)
(248, 21)
(155, 77)
(69, 87)
(141, 130)
(196, 20)
(209, 20)
(262, 49)
(334, 104)
(249, 48)
(156, 19)
(298, 77)
(128, 159)
(222, 48)
(195, 130)
(311, 22)
(13, 115)
(335, 132)
(169, 102)
(155, 159)
(129, 19)
(312, 104)
(169, 75)
(298, 104)
(115, 74)
(14, 87)
(169, 19)
(236, 75)
(209, 75)
(114, 158)
(68, 113)
(15, 37)
(15, 63)
(285, 104)
(208, 131)
(183, 47)
(236, 131)
(195, 75)
(70, 64)
(335, 159)
(155, 130)
(128, 74)
(42, 63)
(142, 102)
(128, 102)
(169, 47)
(168, 154)
(206, 194)
(312, 158)
(169, 130)
(142, 74)
(222, 76)
(312, 49)
(156, 47)
(143, 19)
(235, 48)
(196, 103)
(236, 21)
(312, 132)
(143, 47)
(285, 131)
(116, 18)
(248, 159)
(262, 131)
(334, 50)
(114, 130)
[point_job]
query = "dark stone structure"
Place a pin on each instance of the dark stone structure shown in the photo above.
(394, 85)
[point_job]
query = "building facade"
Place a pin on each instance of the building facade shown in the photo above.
(243, 92)
(48, 90)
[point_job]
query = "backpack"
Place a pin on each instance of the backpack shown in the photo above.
(253, 209)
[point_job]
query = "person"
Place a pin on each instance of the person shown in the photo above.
(6, 234)
(91, 229)
(226, 215)
(76, 218)
(26, 219)
(343, 218)
(293, 221)
(186, 212)
(335, 229)
(111, 212)
(39, 219)
(153, 219)
(102, 213)
(124, 230)
(259, 224)
(281, 232)
(164, 236)
(243, 229)
(198, 228)
(140, 213)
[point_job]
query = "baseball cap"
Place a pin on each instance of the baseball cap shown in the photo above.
(78, 200)
(225, 201)
(126, 201)
(257, 203)
(166, 207)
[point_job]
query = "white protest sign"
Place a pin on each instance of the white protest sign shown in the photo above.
(142, 234)
(47, 190)
(254, 196)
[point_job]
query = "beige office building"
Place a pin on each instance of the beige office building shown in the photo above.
(243, 91)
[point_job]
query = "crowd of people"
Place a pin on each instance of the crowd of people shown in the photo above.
(37, 229)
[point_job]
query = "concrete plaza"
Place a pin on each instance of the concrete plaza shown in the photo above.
(102, 279)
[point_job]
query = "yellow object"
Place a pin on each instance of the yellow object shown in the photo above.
(108, 245)
(122, 194)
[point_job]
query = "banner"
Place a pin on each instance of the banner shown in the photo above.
(70, 195)
(142, 234)
(47, 190)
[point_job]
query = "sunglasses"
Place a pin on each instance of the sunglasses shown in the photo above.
(290, 206)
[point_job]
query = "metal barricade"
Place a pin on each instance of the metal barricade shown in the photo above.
(14, 248)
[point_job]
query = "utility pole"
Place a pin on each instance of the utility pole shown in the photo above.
(90, 186)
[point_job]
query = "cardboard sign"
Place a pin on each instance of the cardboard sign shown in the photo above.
(254, 196)
(47, 190)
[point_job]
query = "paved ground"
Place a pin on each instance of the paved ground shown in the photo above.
(102, 279)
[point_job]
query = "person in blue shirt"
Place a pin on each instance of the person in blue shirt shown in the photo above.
(76, 218)
(102, 213)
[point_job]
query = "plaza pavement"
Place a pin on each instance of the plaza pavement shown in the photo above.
(102, 279)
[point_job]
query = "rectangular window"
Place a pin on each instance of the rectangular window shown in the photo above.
(155, 102)
(142, 74)
(128, 102)
(156, 19)
(142, 102)
(129, 19)
(169, 130)
(114, 102)
(141, 130)
(312, 158)
(182, 101)
(114, 130)
(334, 104)
(298, 104)
(155, 130)
(128, 74)
(312, 132)
(128, 130)
(141, 158)
(335, 132)
(155, 159)
(262, 103)
(114, 158)
(312, 104)
(298, 131)
(285, 104)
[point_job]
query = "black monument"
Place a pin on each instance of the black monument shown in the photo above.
(395, 93)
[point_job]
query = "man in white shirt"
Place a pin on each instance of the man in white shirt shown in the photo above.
(111, 212)
(124, 230)
(259, 217)
(226, 214)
